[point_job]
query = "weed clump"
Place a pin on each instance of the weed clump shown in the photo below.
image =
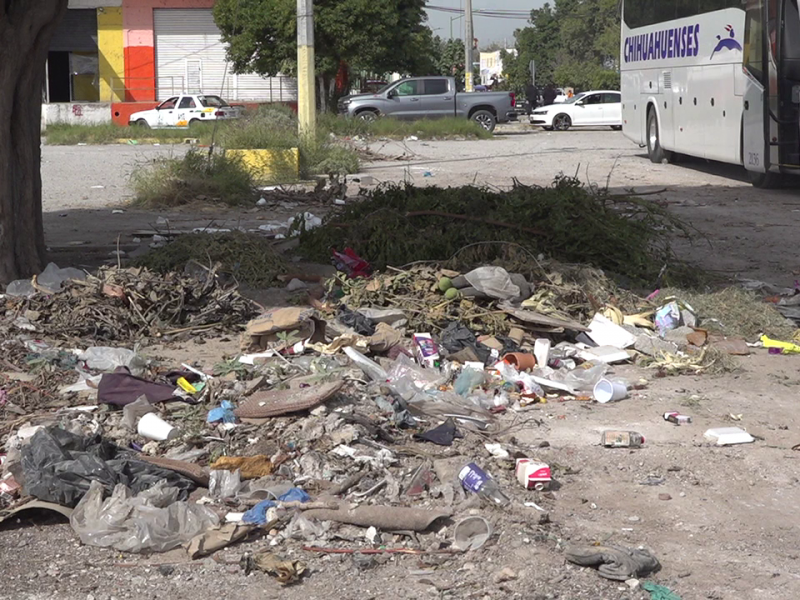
(627, 237)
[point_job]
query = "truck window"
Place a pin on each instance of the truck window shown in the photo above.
(408, 88)
(435, 87)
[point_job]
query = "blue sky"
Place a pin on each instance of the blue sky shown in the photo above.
(487, 30)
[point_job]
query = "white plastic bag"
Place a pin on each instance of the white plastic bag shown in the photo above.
(153, 521)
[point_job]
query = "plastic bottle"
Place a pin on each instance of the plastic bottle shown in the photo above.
(622, 439)
(478, 481)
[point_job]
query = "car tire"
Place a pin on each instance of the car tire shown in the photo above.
(193, 123)
(616, 127)
(485, 119)
(656, 153)
(562, 122)
(368, 116)
(143, 124)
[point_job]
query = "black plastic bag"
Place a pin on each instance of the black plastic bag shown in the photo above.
(58, 466)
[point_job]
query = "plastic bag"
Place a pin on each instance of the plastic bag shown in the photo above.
(152, 521)
(468, 380)
(494, 282)
(59, 465)
(407, 378)
(224, 484)
(105, 358)
(49, 280)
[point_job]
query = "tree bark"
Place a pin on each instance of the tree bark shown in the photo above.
(26, 27)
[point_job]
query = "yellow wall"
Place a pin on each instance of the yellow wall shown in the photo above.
(269, 166)
(111, 54)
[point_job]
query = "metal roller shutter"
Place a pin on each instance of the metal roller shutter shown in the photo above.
(190, 57)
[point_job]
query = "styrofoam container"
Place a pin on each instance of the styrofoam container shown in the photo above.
(155, 428)
(728, 436)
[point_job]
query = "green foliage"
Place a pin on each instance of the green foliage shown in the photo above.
(627, 237)
(574, 43)
(248, 258)
(425, 129)
(271, 126)
(375, 36)
(65, 134)
(177, 181)
(450, 58)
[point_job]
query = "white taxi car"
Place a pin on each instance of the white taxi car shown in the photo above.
(185, 111)
(588, 109)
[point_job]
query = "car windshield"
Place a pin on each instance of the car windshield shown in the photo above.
(212, 101)
(384, 88)
(575, 98)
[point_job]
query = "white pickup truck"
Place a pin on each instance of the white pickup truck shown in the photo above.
(185, 111)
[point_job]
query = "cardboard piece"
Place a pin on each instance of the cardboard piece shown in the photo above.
(36, 505)
(281, 328)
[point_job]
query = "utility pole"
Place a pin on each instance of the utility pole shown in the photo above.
(468, 40)
(306, 90)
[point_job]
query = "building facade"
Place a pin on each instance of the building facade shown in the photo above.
(130, 54)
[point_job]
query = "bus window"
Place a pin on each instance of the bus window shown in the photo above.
(753, 40)
(640, 13)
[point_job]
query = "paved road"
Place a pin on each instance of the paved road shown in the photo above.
(747, 228)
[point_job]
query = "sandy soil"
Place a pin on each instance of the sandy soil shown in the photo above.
(728, 528)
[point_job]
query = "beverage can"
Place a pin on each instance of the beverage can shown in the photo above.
(533, 475)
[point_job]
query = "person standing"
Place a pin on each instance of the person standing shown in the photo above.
(532, 94)
(549, 94)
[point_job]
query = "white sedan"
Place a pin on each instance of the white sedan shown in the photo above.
(185, 111)
(588, 109)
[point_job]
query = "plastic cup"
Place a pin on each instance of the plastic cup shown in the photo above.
(610, 390)
(155, 428)
(471, 533)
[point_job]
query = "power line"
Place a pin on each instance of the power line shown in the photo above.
(485, 12)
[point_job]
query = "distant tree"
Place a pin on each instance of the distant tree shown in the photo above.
(573, 43)
(26, 28)
(450, 58)
(375, 36)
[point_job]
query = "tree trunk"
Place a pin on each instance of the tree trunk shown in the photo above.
(26, 27)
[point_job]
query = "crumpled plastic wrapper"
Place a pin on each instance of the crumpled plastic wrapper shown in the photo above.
(152, 521)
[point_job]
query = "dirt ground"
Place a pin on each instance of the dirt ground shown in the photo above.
(722, 521)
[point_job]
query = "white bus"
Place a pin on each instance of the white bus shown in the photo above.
(716, 79)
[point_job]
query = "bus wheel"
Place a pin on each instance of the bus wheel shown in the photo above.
(657, 154)
(764, 181)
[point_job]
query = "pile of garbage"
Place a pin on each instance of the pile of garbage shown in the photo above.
(380, 420)
(126, 305)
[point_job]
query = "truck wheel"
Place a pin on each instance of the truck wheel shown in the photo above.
(143, 124)
(657, 154)
(485, 119)
(562, 122)
(369, 116)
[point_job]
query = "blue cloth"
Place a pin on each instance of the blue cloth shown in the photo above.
(258, 514)
(224, 413)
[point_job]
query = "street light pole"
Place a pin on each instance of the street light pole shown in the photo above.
(469, 37)
(306, 100)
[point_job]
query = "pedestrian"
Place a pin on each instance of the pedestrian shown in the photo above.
(532, 94)
(549, 95)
